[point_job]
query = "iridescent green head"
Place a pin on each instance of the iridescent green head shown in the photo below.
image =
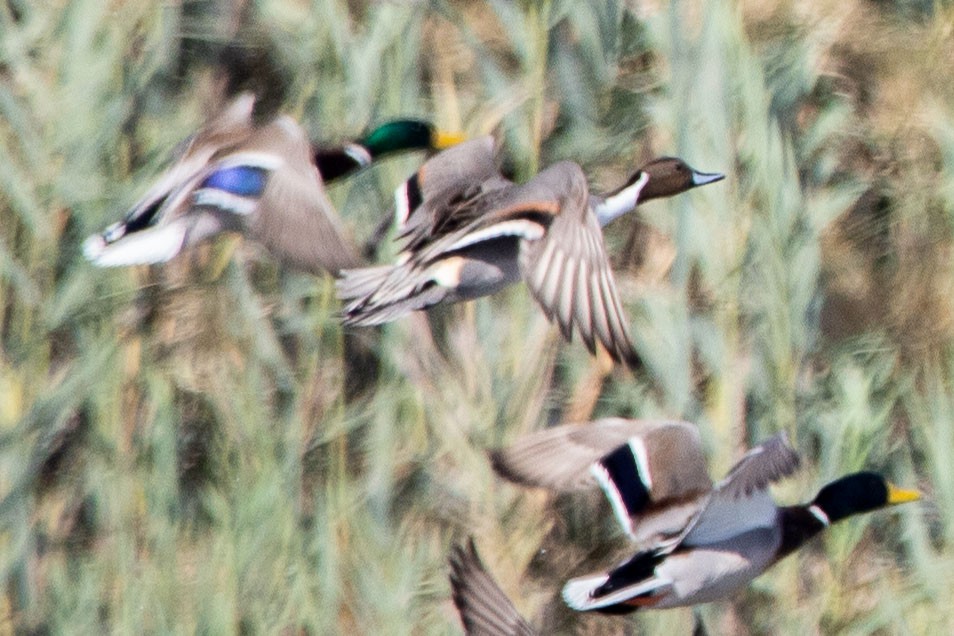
(393, 137)
(407, 134)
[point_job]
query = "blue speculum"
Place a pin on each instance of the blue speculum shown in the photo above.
(243, 181)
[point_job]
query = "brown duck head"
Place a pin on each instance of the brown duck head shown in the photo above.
(671, 175)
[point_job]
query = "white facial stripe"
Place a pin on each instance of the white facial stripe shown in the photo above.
(616, 501)
(359, 153)
(227, 201)
(527, 230)
(622, 202)
(820, 515)
(642, 461)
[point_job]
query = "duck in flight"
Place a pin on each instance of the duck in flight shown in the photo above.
(467, 232)
(696, 542)
(262, 180)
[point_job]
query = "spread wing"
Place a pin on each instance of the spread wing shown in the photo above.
(560, 458)
(568, 271)
(764, 464)
(742, 502)
(439, 198)
(653, 473)
(484, 608)
(295, 218)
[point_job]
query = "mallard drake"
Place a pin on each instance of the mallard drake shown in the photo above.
(257, 179)
(389, 138)
(484, 608)
(734, 534)
(467, 232)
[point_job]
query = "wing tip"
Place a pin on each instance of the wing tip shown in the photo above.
(463, 556)
(502, 464)
(625, 354)
(483, 606)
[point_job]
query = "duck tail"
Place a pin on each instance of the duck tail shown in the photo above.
(578, 592)
(361, 282)
(383, 293)
(116, 247)
(627, 587)
(583, 594)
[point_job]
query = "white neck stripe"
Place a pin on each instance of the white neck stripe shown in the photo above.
(359, 153)
(820, 515)
(621, 202)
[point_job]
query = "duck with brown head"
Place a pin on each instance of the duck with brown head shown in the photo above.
(468, 232)
(660, 178)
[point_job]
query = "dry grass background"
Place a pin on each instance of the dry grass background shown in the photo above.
(178, 451)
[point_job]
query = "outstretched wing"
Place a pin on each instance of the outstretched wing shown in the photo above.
(439, 198)
(484, 608)
(764, 464)
(652, 472)
(568, 271)
(741, 502)
(295, 218)
(561, 458)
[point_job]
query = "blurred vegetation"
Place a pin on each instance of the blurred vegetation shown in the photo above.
(178, 452)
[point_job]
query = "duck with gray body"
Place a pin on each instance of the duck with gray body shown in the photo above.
(732, 532)
(654, 475)
(467, 232)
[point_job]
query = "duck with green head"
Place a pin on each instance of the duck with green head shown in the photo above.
(704, 542)
(393, 137)
(263, 180)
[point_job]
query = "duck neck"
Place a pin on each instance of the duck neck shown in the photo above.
(389, 138)
(334, 163)
(799, 524)
(618, 203)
